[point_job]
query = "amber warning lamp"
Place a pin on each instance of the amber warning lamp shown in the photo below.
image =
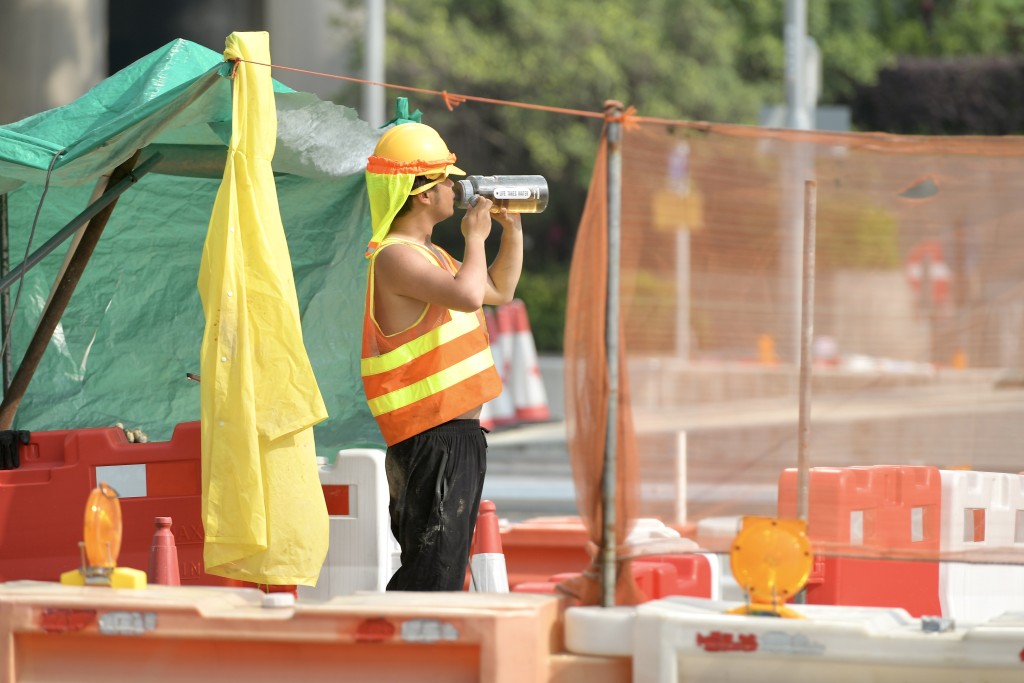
(101, 544)
(771, 561)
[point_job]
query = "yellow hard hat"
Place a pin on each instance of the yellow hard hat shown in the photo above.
(413, 149)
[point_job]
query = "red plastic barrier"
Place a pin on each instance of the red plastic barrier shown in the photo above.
(537, 549)
(880, 509)
(42, 503)
(657, 577)
(539, 553)
(692, 575)
(541, 587)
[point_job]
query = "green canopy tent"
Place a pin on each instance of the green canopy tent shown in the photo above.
(132, 329)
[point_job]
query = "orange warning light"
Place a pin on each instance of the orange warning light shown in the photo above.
(102, 533)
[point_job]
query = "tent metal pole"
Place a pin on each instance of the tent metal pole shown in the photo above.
(110, 195)
(61, 296)
(613, 113)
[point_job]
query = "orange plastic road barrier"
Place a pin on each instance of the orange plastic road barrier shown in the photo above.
(871, 510)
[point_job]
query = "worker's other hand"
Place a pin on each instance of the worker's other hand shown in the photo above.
(509, 220)
(477, 221)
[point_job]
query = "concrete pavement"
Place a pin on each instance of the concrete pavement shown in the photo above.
(735, 448)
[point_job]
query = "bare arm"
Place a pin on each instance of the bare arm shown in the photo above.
(503, 275)
(401, 270)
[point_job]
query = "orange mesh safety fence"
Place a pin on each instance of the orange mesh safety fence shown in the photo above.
(587, 395)
(917, 399)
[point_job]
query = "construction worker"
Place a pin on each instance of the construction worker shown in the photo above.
(426, 361)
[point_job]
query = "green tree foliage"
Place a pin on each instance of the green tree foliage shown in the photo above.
(846, 32)
(952, 28)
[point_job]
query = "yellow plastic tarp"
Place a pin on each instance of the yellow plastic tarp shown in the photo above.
(263, 509)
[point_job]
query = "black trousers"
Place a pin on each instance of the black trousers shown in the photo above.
(435, 480)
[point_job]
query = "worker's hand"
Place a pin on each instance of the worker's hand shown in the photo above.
(477, 221)
(509, 221)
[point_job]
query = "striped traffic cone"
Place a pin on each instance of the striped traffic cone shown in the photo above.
(528, 394)
(487, 573)
(499, 411)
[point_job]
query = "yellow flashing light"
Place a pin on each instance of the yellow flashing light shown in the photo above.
(771, 561)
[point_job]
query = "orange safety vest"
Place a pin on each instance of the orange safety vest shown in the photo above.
(431, 372)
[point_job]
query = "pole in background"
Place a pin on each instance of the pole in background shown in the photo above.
(795, 167)
(795, 38)
(613, 113)
(376, 32)
(678, 174)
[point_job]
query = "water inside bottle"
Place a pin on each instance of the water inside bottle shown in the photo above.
(518, 194)
(528, 205)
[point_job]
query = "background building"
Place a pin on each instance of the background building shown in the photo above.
(52, 51)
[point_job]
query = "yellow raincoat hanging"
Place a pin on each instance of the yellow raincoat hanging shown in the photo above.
(264, 513)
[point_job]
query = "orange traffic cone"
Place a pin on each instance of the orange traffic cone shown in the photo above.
(528, 395)
(487, 561)
(499, 411)
(163, 555)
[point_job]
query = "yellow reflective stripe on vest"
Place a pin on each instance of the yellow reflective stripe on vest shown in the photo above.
(436, 383)
(460, 324)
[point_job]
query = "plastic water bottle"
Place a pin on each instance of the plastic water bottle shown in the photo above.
(517, 193)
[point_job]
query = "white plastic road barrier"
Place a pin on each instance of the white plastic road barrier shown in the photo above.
(360, 556)
(692, 639)
(981, 511)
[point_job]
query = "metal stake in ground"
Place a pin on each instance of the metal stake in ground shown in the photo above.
(806, 340)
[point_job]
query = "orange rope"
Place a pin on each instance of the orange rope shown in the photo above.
(628, 118)
(451, 100)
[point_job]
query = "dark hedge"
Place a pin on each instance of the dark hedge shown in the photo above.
(966, 96)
